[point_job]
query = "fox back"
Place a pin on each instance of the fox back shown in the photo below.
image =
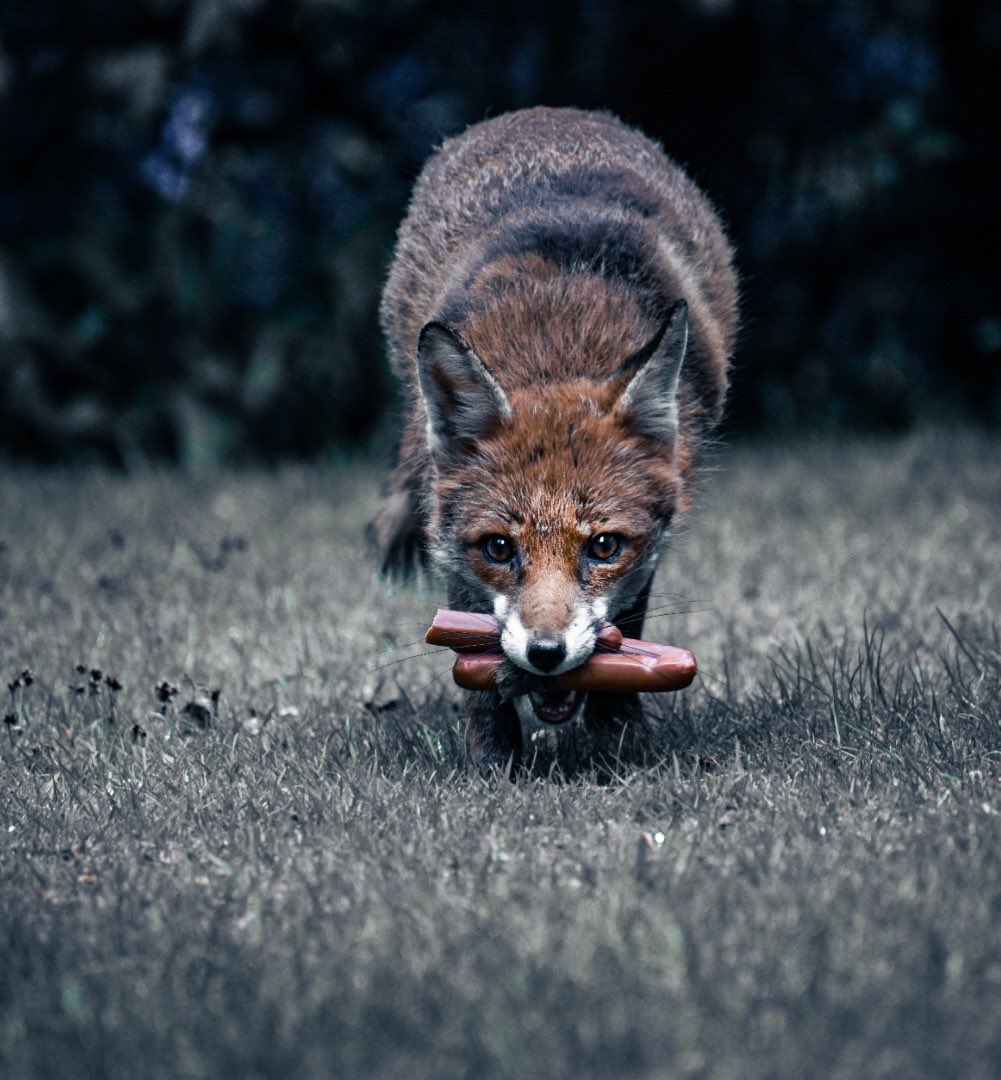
(561, 309)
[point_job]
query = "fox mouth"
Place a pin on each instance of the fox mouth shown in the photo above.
(549, 705)
(555, 706)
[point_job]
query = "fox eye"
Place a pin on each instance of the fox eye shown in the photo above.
(498, 549)
(603, 547)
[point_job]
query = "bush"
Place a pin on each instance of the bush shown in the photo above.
(200, 198)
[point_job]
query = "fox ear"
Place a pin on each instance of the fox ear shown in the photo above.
(463, 400)
(650, 400)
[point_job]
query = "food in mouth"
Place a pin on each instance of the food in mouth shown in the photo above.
(619, 665)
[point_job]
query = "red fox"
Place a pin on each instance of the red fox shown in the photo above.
(561, 309)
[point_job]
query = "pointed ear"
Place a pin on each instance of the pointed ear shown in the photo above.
(463, 400)
(650, 400)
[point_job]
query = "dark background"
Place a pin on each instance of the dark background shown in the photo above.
(198, 199)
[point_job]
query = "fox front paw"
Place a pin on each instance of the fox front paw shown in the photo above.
(493, 732)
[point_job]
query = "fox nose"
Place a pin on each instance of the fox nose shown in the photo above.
(546, 653)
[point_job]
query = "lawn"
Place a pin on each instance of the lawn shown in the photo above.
(239, 838)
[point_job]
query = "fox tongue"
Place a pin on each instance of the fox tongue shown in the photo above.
(554, 707)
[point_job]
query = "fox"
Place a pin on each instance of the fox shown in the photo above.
(561, 309)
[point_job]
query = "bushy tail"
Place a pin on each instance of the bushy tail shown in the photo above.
(396, 538)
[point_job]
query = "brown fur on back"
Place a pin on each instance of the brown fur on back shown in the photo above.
(555, 242)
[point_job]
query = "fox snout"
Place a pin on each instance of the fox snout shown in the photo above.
(546, 653)
(552, 647)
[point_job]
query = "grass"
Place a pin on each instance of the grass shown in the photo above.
(242, 841)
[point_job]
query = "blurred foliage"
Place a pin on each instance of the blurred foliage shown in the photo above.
(199, 199)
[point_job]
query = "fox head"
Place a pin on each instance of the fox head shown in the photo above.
(551, 502)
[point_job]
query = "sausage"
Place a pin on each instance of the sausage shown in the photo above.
(638, 666)
(464, 631)
(626, 665)
(473, 632)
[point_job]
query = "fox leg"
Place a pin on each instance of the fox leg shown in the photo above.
(493, 730)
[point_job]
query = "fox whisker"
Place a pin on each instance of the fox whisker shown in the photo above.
(402, 660)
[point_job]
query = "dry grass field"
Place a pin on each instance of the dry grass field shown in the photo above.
(239, 837)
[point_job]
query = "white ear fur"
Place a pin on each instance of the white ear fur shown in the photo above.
(650, 401)
(462, 399)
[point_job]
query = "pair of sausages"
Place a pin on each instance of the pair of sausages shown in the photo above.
(620, 665)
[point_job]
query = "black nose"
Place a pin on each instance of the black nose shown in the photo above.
(546, 653)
